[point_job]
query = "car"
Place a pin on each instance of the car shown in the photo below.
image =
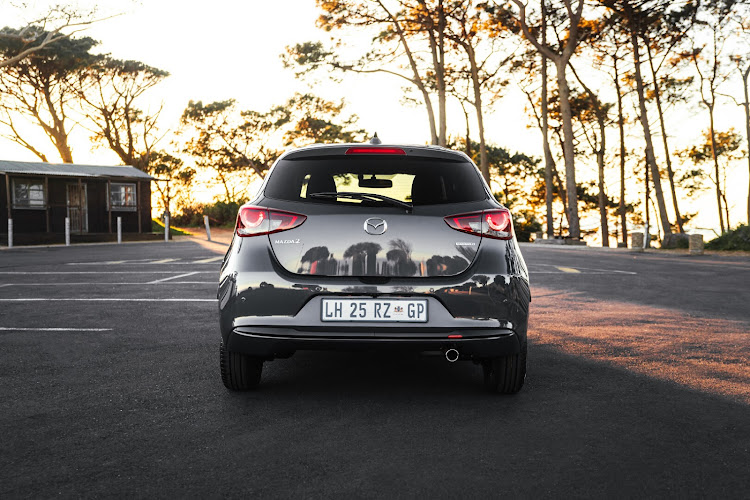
(374, 246)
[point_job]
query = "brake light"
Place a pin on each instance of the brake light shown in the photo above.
(496, 224)
(375, 151)
(256, 221)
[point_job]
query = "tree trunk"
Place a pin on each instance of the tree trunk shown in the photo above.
(484, 165)
(61, 143)
(440, 76)
(746, 105)
(664, 138)
(715, 158)
(468, 130)
(650, 158)
(647, 231)
(548, 160)
(574, 229)
(558, 181)
(602, 193)
(621, 126)
(430, 115)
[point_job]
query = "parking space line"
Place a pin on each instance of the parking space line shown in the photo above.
(206, 261)
(199, 260)
(94, 283)
(95, 272)
(102, 299)
(172, 278)
(14, 329)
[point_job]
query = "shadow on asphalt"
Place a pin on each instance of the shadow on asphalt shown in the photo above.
(577, 428)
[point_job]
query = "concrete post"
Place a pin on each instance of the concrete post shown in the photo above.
(10, 233)
(67, 231)
(208, 227)
(636, 241)
(119, 230)
(696, 244)
(166, 227)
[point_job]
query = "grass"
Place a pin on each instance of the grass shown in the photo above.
(157, 227)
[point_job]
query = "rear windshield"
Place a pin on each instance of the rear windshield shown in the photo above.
(421, 181)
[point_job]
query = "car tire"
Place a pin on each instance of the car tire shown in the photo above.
(239, 372)
(505, 374)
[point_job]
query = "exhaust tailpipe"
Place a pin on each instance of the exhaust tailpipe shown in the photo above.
(451, 355)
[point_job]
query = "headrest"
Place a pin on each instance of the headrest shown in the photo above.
(427, 189)
(320, 183)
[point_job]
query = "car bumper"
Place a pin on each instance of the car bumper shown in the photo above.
(282, 342)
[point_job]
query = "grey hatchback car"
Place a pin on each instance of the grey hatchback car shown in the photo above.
(362, 246)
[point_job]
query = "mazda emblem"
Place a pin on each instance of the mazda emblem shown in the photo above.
(375, 226)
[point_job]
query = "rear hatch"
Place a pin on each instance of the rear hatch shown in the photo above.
(373, 215)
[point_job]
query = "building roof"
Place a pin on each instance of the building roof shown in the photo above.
(70, 170)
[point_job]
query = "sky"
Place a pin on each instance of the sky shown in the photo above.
(231, 49)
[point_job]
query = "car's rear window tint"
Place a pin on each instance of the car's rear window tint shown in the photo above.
(421, 181)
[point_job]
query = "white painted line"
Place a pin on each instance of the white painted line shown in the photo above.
(109, 283)
(10, 329)
(171, 278)
(582, 272)
(163, 261)
(104, 299)
(108, 262)
(614, 271)
(94, 272)
(206, 261)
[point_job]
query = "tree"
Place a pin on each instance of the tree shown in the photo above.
(468, 26)
(712, 73)
(549, 162)
(515, 174)
(40, 88)
(560, 56)
(109, 90)
(621, 208)
(664, 136)
(742, 63)
(636, 17)
(538, 105)
(58, 23)
(714, 147)
(229, 141)
(391, 51)
(596, 111)
(173, 178)
(311, 120)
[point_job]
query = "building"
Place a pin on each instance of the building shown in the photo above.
(38, 197)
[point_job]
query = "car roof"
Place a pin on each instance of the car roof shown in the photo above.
(341, 149)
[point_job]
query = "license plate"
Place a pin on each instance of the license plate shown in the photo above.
(378, 310)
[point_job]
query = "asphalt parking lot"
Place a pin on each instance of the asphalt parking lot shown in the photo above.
(638, 385)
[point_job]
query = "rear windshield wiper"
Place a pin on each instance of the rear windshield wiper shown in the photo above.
(363, 196)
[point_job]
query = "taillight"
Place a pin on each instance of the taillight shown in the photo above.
(375, 151)
(496, 224)
(255, 221)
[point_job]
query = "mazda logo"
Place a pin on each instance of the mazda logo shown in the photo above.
(375, 226)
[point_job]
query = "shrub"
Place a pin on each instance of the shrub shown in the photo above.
(525, 223)
(220, 213)
(735, 239)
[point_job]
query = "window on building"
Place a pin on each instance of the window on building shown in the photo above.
(123, 196)
(28, 193)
